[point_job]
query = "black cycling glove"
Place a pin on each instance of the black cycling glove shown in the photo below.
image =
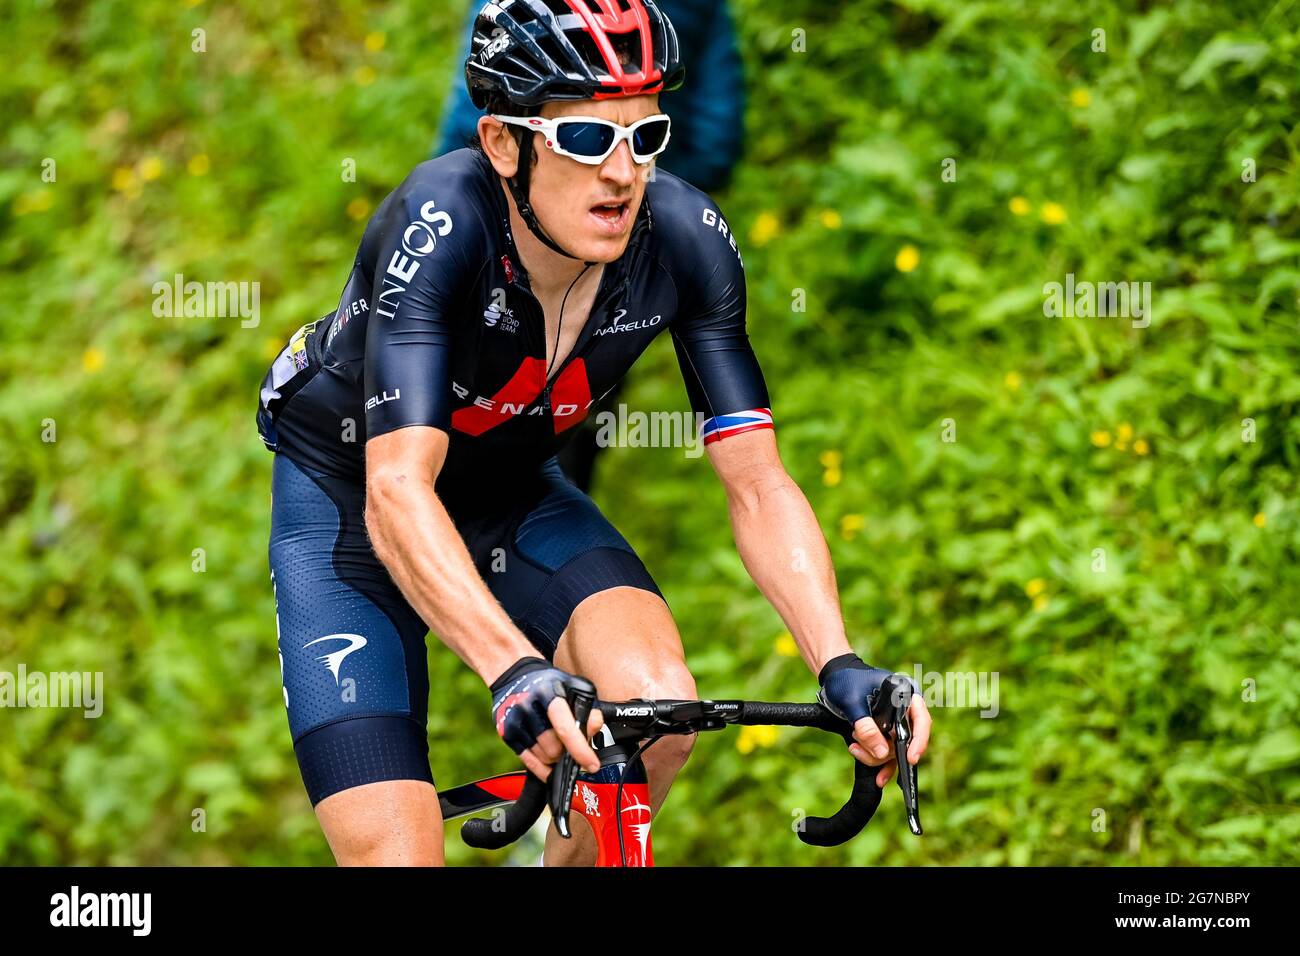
(520, 697)
(849, 686)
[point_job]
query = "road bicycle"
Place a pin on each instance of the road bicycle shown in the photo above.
(615, 801)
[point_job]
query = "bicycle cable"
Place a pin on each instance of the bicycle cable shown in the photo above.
(618, 796)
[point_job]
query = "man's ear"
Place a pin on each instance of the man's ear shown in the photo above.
(500, 145)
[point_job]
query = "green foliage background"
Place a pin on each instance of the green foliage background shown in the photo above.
(1162, 693)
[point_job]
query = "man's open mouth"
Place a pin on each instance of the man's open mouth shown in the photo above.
(612, 215)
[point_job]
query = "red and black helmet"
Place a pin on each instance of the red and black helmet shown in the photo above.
(525, 52)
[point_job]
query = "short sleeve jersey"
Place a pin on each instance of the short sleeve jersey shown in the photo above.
(437, 326)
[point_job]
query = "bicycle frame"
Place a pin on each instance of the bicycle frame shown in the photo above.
(595, 797)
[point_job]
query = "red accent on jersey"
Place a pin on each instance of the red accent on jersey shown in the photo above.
(513, 397)
(571, 394)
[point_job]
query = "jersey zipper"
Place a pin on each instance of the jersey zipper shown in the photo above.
(583, 346)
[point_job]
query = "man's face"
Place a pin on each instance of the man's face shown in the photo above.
(589, 210)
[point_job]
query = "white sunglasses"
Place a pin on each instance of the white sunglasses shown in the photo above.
(591, 140)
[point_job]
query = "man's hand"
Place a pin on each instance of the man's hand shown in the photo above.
(847, 686)
(532, 715)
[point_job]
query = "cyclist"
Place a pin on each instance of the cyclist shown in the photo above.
(496, 293)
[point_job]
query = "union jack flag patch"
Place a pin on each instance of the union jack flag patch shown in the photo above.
(736, 423)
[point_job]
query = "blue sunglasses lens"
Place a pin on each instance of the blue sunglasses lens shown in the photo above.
(649, 139)
(584, 139)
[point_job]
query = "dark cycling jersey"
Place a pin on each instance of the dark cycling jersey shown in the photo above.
(438, 326)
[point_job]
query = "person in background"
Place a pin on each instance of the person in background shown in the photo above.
(708, 130)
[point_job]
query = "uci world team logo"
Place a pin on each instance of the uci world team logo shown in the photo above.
(495, 316)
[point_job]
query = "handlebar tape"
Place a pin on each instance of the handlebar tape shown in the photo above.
(848, 821)
(501, 831)
(792, 715)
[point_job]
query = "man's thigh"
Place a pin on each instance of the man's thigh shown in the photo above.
(625, 641)
(550, 554)
(352, 655)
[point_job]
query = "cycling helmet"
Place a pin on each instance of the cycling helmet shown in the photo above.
(526, 52)
(531, 51)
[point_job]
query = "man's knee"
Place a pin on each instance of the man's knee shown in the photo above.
(669, 754)
(390, 823)
(665, 679)
(669, 680)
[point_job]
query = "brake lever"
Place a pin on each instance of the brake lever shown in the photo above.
(907, 775)
(894, 716)
(564, 776)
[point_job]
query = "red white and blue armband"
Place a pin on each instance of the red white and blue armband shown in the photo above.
(736, 423)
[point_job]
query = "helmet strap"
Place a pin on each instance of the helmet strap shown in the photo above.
(519, 189)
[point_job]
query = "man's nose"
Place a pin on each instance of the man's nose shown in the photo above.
(620, 167)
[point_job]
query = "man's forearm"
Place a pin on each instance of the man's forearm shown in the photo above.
(414, 537)
(786, 555)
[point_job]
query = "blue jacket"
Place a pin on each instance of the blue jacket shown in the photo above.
(708, 111)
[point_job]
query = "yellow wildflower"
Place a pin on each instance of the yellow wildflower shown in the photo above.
(359, 208)
(123, 178)
(1101, 438)
(1041, 602)
(151, 168)
(199, 165)
(36, 201)
(1124, 432)
(1053, 213)
(1019, 206)
(752, 737)
(766, 228)
(1141, 447)
(908, 258)
(364, 75)
(786, 646)
(831, 219)
(92, 360)
(850, 525)
(1080, 97)
(1035, 587)
(1012, 381)
(832, 477)
(375, 41)
(1261, 519)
